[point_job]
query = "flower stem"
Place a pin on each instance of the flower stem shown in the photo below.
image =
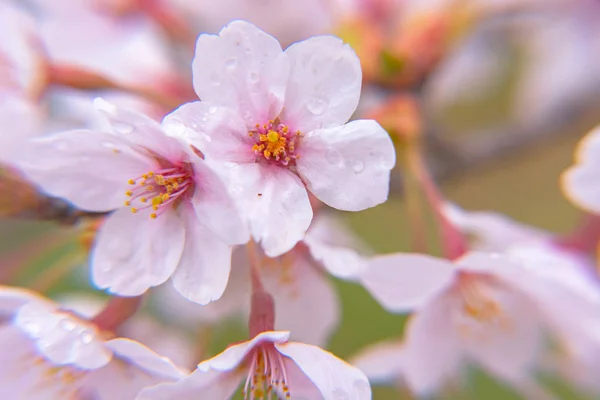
(262, 305)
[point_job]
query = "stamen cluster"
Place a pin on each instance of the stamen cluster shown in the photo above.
(157, 189)
(267, 376)
(275, 142)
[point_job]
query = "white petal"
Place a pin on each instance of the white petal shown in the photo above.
(402, 282)
(324, 85)
(348, 167)
(276, 204)
(215, 208)
(139, 129)
(432, 349)
(234, 355)
(382, 362)
(90, 169)
(62, 338)
(244, 69)
(200, 384)
(307, 304)
(329, 243)
(509, 348)
(142, 357)
(332, 376)
(218, 132)
(134, 252)
(203, 271)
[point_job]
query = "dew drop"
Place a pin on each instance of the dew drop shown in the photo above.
(358, 166)
(67, 325)
(231, 63)
(86, 337)
(339, 394)
(32, 328)
(253, 77)
(317, 104)
(333, 157)
(215, 79)
(109, 145)
(212, 110)
(122, 127)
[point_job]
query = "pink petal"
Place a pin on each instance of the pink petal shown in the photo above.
(324, 84)
(200, 384)
(510, 348)
(276, 204)
(203, 270)
(403, 282)
(62, 338)
(581, 182)
(218, 132)
(243, 69)
(90, 169)
(134, 252)
(332, 376)
(142, 131)
(331, 244)
(11, 298)
(137, 354)
(214, 207)
(432, 350)
(348, 167)
(232, 357)
(382, 362)
(307, 304)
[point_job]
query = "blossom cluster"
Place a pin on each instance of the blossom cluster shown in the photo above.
(191, 156)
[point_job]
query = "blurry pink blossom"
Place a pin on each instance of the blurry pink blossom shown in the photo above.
(49, 353)
(178, 219)
(274, 121)
(488, 309)
(581, 182)
(271, 366)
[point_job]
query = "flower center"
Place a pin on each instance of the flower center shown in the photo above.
(267, 376)
(478, 302)
(275, 142)
(159, 189)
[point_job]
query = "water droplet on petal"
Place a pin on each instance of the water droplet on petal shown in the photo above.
(109, 145)
(32, 328)
(212, 110)
(317, 104)
(358, 166)
(215, 79)
(334, 157)
(339, 394)
(67, 325)
(253, 77)
(231, 63)
(86, 337)
(122, 127)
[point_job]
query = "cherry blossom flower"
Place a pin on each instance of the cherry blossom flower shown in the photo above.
(275, 121)
(271, 366)
(49, 353)
(173, 214)
(487, 309)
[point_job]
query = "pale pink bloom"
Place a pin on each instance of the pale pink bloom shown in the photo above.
(53, 354)
(130, 51)
(307, 303)
(488, 309)
(271, 366)
(22, 120)
(275, 121)
(581, 182)
(173, 218)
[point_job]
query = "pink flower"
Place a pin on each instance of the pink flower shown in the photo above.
(271, 366)
(491, 310)
(53, 354)
(275, 121)
(173, 214)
